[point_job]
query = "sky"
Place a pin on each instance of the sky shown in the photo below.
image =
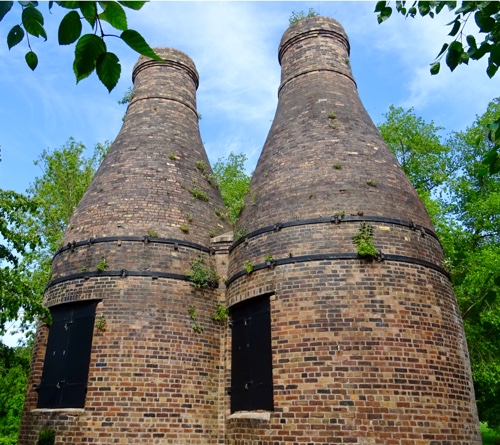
(234, 46)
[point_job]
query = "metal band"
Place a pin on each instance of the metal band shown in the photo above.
(329, 220)
(337, 256)
(118, 273)
(144, 239)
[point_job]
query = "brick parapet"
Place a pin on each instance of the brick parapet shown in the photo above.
(314, 44)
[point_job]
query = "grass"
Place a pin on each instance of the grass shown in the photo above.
(488, 435)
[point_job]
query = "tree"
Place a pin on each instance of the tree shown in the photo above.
(233, 183)
(487, 20)
(473, 252)
(14, 370)
(91, 53)
(465, 208)
(15, 299)
(33, 226)
(417, 145)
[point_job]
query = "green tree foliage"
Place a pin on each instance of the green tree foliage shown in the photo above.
(463, 47)
(14, 370)
(66, 174)
(473, 247)
(33, 225)
(465, 208)
(16, 299)
(233, 183)
(91, 53)
(417, 145)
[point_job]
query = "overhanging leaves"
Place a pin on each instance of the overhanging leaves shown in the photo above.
(70, 28)
(108, 70)
(115, 16)
(132, 4)
(32, 20)
(137, 43)
(31, 60)
(88, 48)
(5, 7)
(16, 34)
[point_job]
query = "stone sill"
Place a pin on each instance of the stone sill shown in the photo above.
(70, 411)
(255, 415)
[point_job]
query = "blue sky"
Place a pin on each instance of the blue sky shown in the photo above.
(234, 46)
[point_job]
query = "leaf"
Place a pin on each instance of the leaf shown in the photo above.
(466, 7)
(455, 29)
(16, 35)
(443, 49)
(115, 16)
(32, 20)
(464, 58)
(423, 8)
(108, 70)
(481, 51)
(471, 40)
(88, 48)
(492, 69)
(493, 127)
(89, 11)
(5, 7)
(484, 22)
(454, 54)
(137, 43)
(31, 60)
(133, 5)
(384, 14)
(378, 7)
(70, 28)
(68, 5)
(435, 68)
(492, 159)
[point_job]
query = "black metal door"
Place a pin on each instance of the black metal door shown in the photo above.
(251, 362)
(66, 366)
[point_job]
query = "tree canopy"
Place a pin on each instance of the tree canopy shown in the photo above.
(465, 208)
(233, 183)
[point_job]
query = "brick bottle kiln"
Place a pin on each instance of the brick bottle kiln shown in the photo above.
(323, 346)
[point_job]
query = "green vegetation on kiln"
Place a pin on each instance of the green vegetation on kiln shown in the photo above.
(364, 241)
(202, 274)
